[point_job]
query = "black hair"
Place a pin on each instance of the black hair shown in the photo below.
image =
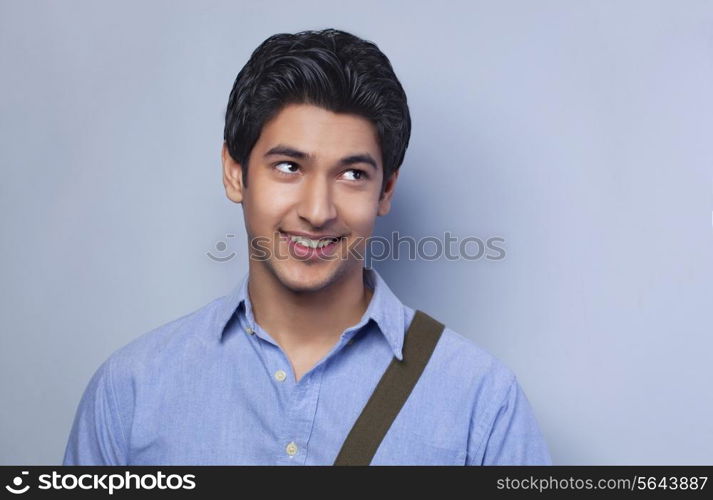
(329, 68)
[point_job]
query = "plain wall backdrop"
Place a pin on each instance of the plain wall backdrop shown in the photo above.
(580, 132)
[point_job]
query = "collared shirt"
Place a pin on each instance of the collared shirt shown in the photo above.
(214, 388)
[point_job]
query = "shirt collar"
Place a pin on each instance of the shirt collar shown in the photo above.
(385, 309)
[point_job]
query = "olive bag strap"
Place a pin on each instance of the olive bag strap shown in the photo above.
(391, 392)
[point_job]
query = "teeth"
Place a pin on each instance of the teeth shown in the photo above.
(306, 242)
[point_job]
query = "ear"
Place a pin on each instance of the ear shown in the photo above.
(385, 200)
(232, 176)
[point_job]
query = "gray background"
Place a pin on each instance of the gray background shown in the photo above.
(578, 131)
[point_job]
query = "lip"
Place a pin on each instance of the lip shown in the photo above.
(311, 254)
(315, 237)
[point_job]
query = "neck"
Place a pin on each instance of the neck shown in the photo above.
(300, 318)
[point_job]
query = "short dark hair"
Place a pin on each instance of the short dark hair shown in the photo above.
(329, 68)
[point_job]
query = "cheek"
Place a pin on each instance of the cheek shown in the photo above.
(266, 205)
(360, 217)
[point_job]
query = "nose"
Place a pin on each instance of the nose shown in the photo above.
(316, 205)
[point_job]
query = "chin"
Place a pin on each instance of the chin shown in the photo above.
(293, 278)
(307, 278)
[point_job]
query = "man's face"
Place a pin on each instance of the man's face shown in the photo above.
(310, 172)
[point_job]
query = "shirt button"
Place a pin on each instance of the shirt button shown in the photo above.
(249, 330)
(291, 448)
(280, 375)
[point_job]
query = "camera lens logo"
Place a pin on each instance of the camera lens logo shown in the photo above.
(17, 483)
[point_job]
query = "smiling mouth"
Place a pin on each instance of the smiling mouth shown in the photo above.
(309, 243)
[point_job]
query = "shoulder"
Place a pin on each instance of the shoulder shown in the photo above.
(158, 349)
(461, 362)
(139, 368)
(473, 395)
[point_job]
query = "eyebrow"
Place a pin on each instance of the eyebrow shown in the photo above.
(284, 150)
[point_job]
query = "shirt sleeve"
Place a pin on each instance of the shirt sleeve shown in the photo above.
(97, 436)
(514, 438)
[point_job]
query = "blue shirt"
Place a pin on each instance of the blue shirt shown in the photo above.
(213, 387)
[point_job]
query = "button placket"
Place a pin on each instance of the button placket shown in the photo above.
(268, 351)
(298, 422)
(298, 400)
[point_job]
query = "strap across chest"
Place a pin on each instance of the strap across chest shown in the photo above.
(391, 392)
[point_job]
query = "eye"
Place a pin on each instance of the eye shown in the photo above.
(360, 174)
(289, 163)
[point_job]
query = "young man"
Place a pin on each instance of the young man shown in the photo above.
(280, 370)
